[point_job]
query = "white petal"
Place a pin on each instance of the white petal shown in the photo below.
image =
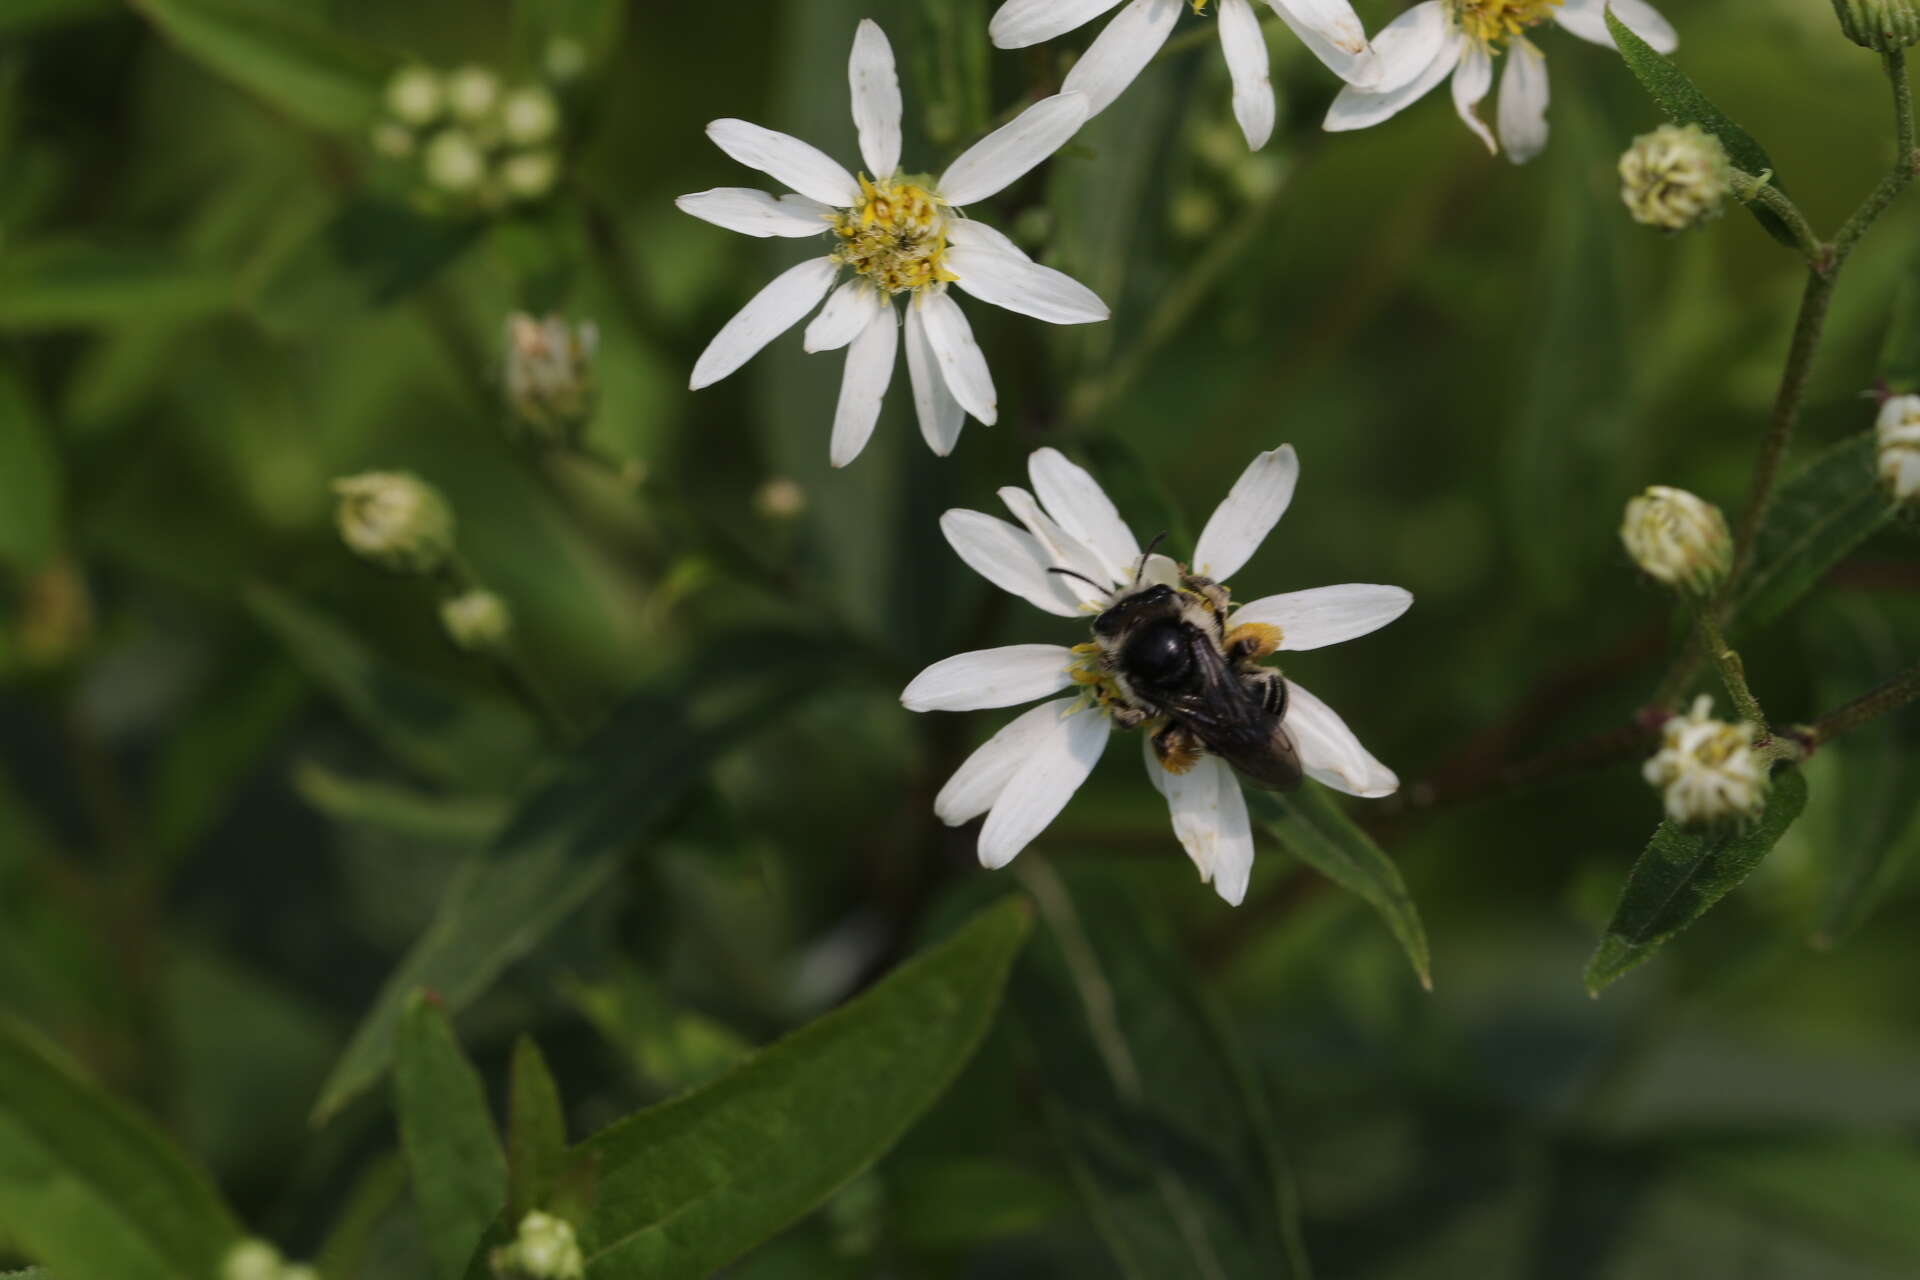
(1019, 23)
(1329, 752)
(1471, 81)
(941, 416)
(961, 364)
(1587, 19)
(1081, 507)
(1523, 102)
(1040, 788)
(1119, 53)
(1245, 47)
(847, 312)
(1062, 548)
(1210, 820)
(876, 98)
(1005, 156)
(1322, 616)
(1252, 507)
(1023, 285)
(980, 779)
(803, 167)
(1341, 48)
(1010, 558)
(756, 213)
(770, 313)
(1422, 46)
(990, 678)
(863, 385)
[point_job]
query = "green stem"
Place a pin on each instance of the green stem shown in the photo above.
(1733, 672)
(1759, 189)
(514, 669)
(1891, 695)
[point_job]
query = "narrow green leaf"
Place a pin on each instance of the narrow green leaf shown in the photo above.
(1313, 828)
(447, 820)
(689, 1185)
(568, 836)
(90, 1187)
(536, 1133)
(1899, 363)
(1856, 1191)
(66, 284)
(459, 1175)
(1683, 102)
(1682, 874)
(277, 52)
(32, 482)
(369, 254)
(350, 1241)
(1816, 520)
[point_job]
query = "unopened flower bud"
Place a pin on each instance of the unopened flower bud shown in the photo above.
(1708, 770)
(1678, 538)
(531, 174)
(472, 91)
(251, 1260)
(529, 115)
(550, 374)
(396, 520)
(454, 161)
(415, 95)
(543, 1249)
(780, 498)
(1899, 435)
(1675, 177)
(1881, 25)
(477, 620)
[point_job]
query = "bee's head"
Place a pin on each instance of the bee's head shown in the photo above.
(1135, 608)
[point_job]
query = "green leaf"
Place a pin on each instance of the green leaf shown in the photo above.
(1856, 1192)
(689, 1185)
(32, 482)
(1816, 520)
(22, 16)
(1899, 363)
(1313, 828)
(1683, 102)
(375, 1195)
(369, 254)
(536, 1133)
(69, 284)
(448, 820)
(91, 1188)
(459, 1175)
(1682, 874)
(464, 738)
(568, 836)
(1164, 1129)
(271, 49)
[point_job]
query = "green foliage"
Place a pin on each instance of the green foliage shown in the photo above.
(370, 254)
(31, 483)
(70, 284)
(536, 1133)
(459, 1175)
(1816, 520)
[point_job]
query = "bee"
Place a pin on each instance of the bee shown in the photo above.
(1171, 658)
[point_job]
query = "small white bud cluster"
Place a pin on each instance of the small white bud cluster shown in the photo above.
(1881, 25)
(1707, 770)
(395, 519)
(549, 375)
(544, 1249)
(1675, 177)
(258, 1260)
(1898, 432)
(480, 144)
(780, 498)
(477, 620)
(1677, 538)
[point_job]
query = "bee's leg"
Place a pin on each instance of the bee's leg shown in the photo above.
(1272, 690)
(1126, 717)
(1176, 748)
(1252, 640)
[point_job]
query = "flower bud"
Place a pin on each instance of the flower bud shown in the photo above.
(531, 174)
(780, 498)
(544, 1249)
(529, 116)
(472, 91)
(415, 95)
(251, 1260)
(1881, 25)
(477, 620)
(1678, 538)
(549, 376)
(395, 519)
(1707, 770)
(1675, 177)
(1899, 435)
(454, 161)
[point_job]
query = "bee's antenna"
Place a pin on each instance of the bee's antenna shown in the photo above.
(1141, 568)
(1074, 573)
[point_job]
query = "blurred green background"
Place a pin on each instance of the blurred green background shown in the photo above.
(241, 770)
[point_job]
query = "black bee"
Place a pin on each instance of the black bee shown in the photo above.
(1169, 653)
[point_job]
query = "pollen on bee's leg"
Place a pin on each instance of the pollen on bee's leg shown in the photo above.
(1253, 640)
(1176, 749)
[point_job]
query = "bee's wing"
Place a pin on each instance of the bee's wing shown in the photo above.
(1233, 721)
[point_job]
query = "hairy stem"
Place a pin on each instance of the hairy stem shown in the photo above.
(1759, 189)
(1890, 695)
(1733, 672)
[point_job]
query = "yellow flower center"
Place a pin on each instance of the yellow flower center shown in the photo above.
(1200, 8)
(1493, 22)
(896, 237)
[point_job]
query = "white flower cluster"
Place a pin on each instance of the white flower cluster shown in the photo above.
(477, 143)
(549, 375)
(544, 1248)
(259, 1260)
(1898, 434)
(1707, 770)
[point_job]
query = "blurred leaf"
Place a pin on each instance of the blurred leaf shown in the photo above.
(960, 1202)
(480, 741)
(1161, 1122)
(1816, 519)
(536, 1132)
(1676, 95)
(32, 483)
(211, 752)
(669, 1047)
(368, 255)
(1856, 1192)
(1682, 874)
(92, 1188)
(67, 284)
(1899, 363)
(456, 820)
(21, 16)
(689, 1185)
(568, 836)
(1139, 491)
(376, 1194)
(1312, 827)
(271, 49)
(459, 1175)
(595, 25)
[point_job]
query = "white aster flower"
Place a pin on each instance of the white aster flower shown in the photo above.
(898, 235)
(1023, 776)
(1707, 770)
(1461, 38)
(1898, 435)
(1120, 52)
